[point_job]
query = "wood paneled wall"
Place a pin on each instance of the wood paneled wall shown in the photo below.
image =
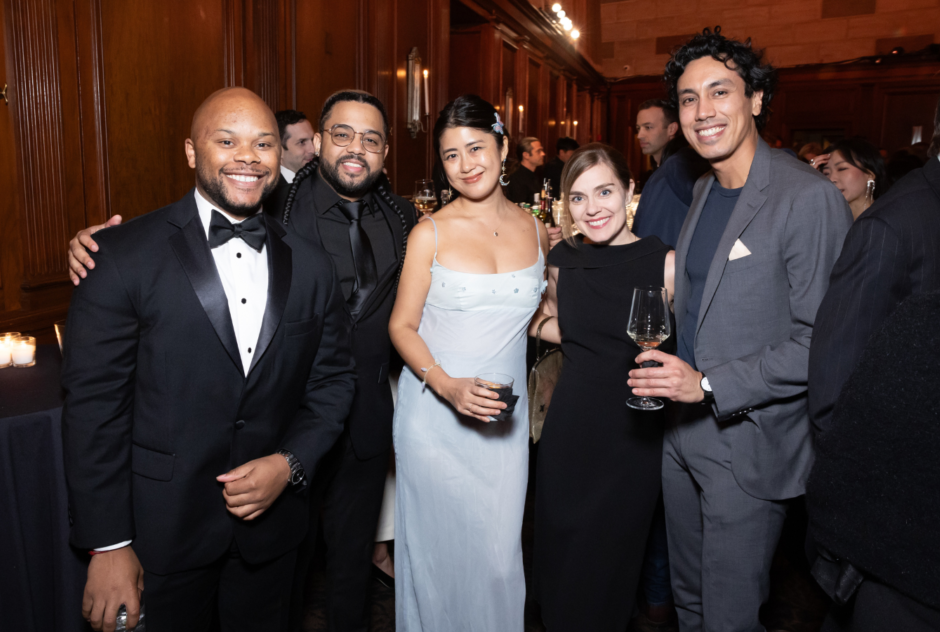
(102, 94)
(499, 55)
(881, 103)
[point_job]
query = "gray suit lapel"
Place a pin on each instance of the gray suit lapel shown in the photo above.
(751, 200)
(685, 239)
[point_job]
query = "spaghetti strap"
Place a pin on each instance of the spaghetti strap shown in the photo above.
(538, 236)
(435, 235)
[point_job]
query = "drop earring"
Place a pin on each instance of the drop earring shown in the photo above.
(870, 191)
(502, 178)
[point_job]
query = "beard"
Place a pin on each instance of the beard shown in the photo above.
(329, 171)
(216, 190)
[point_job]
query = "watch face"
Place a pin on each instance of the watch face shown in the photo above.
(705, 385)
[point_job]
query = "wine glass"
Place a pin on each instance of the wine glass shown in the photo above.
(649, 326)
(425, 196)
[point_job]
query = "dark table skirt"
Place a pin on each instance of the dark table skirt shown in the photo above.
(41, 576)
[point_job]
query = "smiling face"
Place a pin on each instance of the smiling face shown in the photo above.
(297, 145)
(472, 160)
(851, 181)
(597, 204)
(235, 151)
(351, 170)
(716, 114)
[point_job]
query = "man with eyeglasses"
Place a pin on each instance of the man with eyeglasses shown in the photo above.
(342, 200)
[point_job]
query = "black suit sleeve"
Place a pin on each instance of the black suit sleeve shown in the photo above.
(867, 283)
(98, 378)
(330, 388)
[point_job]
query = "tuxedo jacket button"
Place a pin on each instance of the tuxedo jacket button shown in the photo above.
(240, 424)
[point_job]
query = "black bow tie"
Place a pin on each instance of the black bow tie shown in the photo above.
(252, 230)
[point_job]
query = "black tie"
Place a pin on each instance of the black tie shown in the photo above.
(252, 230)
(367, 276)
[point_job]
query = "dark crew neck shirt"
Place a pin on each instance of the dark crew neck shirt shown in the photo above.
(711, 226)
(333, 227)
(523, 185)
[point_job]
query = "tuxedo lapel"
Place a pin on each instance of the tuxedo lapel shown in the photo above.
(280, 268)
(192, 250)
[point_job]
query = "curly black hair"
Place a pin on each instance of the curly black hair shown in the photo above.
(739, 56)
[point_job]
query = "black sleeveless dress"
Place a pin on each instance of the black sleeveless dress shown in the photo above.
(599, 461)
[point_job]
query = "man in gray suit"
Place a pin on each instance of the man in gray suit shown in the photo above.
(752, 265)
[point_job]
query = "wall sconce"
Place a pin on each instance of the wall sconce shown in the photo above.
(413, 118)
(521, 124)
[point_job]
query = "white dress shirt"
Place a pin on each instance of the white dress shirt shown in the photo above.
(288, 174)
(244, 274)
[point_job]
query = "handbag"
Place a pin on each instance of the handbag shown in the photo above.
(542, 380)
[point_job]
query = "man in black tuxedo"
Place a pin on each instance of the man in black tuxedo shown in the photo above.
(208, 372)
(891, 252)
(343, 201)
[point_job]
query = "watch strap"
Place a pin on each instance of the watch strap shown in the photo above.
(296, 468)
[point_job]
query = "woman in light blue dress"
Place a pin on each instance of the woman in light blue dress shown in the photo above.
(472, 279)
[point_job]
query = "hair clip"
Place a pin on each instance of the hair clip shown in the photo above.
(498, 125)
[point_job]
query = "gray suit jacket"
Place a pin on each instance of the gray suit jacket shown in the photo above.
(756, 318)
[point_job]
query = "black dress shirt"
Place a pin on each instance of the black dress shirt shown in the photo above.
(333, 227)
(523, 185)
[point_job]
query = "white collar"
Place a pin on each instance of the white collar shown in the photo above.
(288, 174)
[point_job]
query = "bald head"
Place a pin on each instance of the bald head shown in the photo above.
(226, 103)
(234, 148)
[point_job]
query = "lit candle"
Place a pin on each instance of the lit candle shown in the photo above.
(427, 99)
(6, 348)
(24, 351)
(521, 125)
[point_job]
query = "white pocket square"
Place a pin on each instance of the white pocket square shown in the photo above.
(739, 250)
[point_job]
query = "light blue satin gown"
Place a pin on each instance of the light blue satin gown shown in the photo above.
(462, 482)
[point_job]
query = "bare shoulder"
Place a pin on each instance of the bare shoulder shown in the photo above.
(421, 237)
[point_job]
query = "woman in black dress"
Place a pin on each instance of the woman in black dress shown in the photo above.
(599, 462)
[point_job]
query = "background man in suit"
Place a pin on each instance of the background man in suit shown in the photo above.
(526, 181)
(343, 201)
(296, 142)
(296, 151)
(208, 367)
(657, 123)
(752, 265)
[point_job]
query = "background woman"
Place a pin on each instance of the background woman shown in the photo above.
(856, 167)
(472, 279)
(599, 461)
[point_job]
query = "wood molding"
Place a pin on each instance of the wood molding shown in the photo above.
(261, 46)
(94, 107)
(234, 42)
(41, 144)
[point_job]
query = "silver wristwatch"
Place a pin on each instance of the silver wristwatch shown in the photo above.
(296, 469)
(707, 389)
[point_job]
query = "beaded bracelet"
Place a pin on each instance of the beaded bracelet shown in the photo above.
(424, 382)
